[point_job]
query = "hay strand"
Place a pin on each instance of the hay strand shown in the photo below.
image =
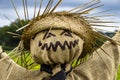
(82, 6)
(47, 9)
(100, 25)
(26, 7)
(25, 15)
(11, 21)
(39, 11)
(87, 11)
(55, 6)
(35, 4)
(16, 11)
(87, 7)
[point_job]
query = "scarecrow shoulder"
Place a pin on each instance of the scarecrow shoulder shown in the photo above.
(102, 65)
(117, 36)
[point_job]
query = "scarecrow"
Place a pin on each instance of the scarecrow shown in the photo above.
(66, 47)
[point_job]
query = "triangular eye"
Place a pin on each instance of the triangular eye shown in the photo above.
(66, 33)
(48, 34)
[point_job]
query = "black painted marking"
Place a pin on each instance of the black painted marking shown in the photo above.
(33, 37)
(48, 34)
(40, 44)
(45, 35)
(69, 45)
(66, 33)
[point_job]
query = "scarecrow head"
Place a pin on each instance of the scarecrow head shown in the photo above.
(59, 38)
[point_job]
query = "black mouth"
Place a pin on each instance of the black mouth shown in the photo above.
(69, 45)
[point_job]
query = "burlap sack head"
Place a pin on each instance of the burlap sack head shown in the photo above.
(58, 22)
(56, 46)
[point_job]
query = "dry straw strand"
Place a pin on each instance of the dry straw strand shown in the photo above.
(16, 11)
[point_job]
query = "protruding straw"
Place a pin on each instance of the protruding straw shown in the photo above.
(22, 27)
(56, 6)
(16, 12)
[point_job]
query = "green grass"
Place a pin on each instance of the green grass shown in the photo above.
(25, 60)
(118, 74)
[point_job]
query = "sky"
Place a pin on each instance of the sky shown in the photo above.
(6, 8)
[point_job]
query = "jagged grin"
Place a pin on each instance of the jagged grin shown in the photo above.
(54, 46)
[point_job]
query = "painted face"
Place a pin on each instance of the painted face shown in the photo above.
(55, 46)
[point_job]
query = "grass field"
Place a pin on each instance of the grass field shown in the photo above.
(118, 74)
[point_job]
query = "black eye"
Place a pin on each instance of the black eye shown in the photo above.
(67, 33)
(48, 34)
